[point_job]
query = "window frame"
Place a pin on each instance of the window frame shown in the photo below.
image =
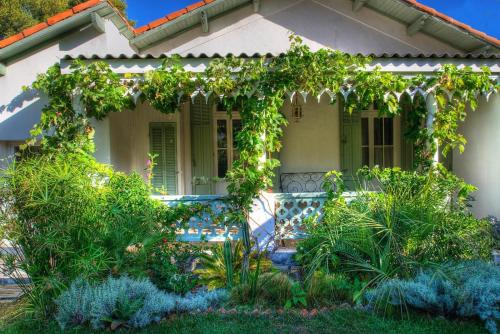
(223, 115)
(371, 114)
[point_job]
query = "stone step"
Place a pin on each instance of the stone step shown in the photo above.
(9, 293)
(283, 258)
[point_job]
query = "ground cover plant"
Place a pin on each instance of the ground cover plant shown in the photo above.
(125, 302)
(466, 289)
(342, 321)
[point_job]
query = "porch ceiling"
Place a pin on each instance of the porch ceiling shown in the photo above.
(437, 25)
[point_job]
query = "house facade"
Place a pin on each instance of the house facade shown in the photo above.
(196, 146)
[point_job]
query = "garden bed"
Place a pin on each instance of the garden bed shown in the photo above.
(338, 321)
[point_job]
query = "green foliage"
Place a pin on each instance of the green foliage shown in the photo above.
(169, 265)
(213, 272)
(342, 320)
(202, 300)
(257, 88)
(91, 91)
(228, 263)
(330, 289)
(272, 289)
(125, 302)
(298, 296)
(467, 289)
(68, 216)
(413, 221)
(114, 303)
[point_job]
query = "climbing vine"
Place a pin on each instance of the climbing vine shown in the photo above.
(257, 88)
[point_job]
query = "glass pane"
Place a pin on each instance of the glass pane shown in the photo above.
(236, 129)
(378, 130)
(365, 152)
(221, 133)
(222, 163)
(388, 156)
(388, 131)
(378, 158)
(364, 131)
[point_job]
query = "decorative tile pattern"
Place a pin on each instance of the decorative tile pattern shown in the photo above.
(292, 209)
(204, 227)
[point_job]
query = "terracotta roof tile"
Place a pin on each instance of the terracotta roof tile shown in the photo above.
(50, 21)
(85, 5)
(11, 39)
(59, 17)
(174, 15)
(31, 30)
(142, 29)
(157, 23)
(195, 6)
(444, 17)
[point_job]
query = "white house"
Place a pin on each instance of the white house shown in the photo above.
(196, 145)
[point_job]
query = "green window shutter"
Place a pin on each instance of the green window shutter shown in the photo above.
(407, 149)
(350, 145)
(202, 146)
(163, 144)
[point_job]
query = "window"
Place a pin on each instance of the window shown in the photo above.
(377, 139)
(226, 130)
(163, 144)
(29, 152)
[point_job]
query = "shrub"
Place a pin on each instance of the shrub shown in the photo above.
(273, 289)
(126, 302)
(413, 220)
(212, 272)
(170, 266)
(75, 305)
(467, 289)
(116, 302)
(329, 289)
(202, 300)
(68, 216)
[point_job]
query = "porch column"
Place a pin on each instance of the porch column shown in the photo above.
(262, 216)
(102, 136)
(431, 105)
(102, 140)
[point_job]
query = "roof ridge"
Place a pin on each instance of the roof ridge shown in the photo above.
(171, 16)
(49, 22)
(179, 13)
(449, 19)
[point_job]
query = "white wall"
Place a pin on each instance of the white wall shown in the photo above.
(19, 110)
(312, 144)
(480, 163)
(129, 135)
(321, 23)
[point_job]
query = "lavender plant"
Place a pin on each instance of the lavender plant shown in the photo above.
(126, 302)
(468, 289)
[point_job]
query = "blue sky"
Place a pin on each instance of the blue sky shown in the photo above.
(483, 15)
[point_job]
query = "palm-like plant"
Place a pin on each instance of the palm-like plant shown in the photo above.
(213, 271)
(412, 221)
